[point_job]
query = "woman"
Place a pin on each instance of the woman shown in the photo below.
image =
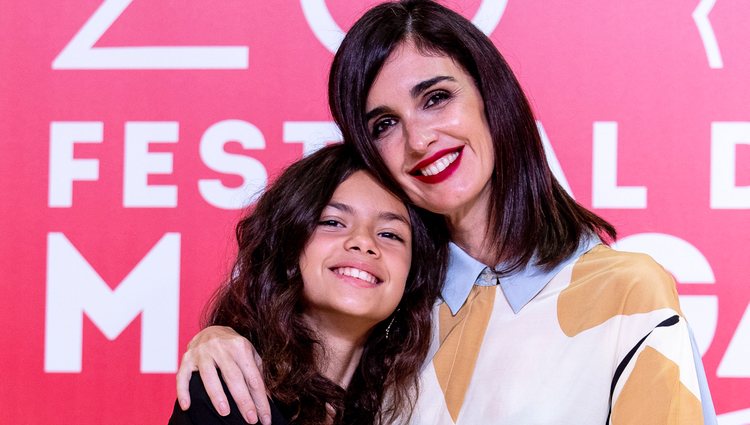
(325, 258)
(540, 322)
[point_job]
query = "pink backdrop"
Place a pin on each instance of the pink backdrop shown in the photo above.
(132, 131)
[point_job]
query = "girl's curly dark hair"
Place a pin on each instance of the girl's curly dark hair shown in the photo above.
(262, 301)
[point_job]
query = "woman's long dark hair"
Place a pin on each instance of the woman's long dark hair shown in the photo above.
(531, 215)
(262, 301)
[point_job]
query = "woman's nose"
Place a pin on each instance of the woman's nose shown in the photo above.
(419, 135)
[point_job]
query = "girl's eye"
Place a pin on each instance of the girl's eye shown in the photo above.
(391, 235)
(381, 126)
(330, 223)
(437, 97)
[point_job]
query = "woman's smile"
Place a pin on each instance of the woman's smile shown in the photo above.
(438, 167)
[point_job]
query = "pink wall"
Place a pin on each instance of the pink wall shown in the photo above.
(123, 168)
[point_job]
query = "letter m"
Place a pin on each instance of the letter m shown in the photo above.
(74, 288)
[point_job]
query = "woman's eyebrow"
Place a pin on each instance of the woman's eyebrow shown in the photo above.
(414, 92)
(426, 84)
(375, 112)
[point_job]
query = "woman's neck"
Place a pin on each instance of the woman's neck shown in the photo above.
(469, 229)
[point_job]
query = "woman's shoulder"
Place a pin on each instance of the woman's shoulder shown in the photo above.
(605, 283)
(604, 265)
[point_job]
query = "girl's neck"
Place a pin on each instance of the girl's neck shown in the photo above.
(342, 346)
(342, 358)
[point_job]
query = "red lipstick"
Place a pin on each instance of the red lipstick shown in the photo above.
(441, 176)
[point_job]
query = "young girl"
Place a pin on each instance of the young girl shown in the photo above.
(333, 284)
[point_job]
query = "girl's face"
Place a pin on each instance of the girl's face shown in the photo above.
(426, 117)
(355, 265)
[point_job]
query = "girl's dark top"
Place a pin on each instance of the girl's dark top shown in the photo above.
(202, 412)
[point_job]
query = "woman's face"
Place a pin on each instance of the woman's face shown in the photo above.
(356, 263)
(426, 117)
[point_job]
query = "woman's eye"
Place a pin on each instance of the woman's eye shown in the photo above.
(437, 97)
(381, 126)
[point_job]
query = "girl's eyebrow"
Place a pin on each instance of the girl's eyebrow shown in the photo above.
(341, 207)
(384, 215)
(392, 216)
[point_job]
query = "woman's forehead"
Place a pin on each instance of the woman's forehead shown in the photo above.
(408, 66)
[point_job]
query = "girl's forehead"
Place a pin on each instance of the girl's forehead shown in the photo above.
(362, 192)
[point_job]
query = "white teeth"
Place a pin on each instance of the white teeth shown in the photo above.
(356, 273)
(439, 165)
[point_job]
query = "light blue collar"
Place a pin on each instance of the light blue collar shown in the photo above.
(519, 287)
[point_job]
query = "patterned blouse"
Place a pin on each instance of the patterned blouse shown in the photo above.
(600, 339)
